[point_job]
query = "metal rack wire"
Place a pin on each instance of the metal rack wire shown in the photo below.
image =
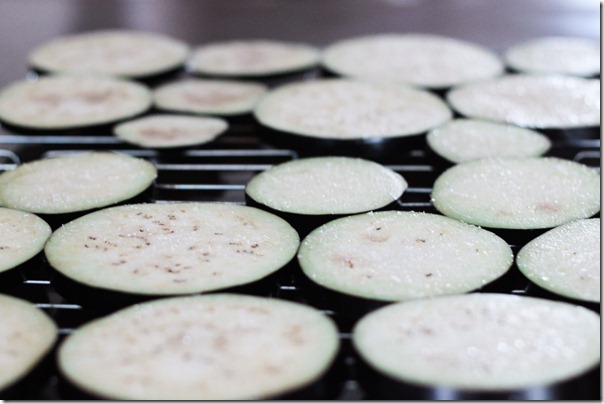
(219, 172)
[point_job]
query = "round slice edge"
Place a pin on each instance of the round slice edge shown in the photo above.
(480, 342)
(393, 256)
(213, 347)
(173, 248)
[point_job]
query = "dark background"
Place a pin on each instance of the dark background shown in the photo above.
(497, 24)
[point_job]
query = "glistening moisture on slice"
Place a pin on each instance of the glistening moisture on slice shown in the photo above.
(174, 248)
(215, 347)
(209, 97)
(463, 140)
(510, 193)
(165, 131)
(26, 335)
(22, 236)
(252, 58)
(135, 54)
(72, 101)
(563, 55)
(480, 342)
(326, 186)
(565, 260)
(348, 109)
(391, 256)
(75, 183)
(428, 61)
(532, 101)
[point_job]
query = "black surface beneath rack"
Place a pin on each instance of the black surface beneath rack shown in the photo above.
(219, 172)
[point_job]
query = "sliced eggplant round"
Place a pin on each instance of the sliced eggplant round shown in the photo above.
(464, 140)
(169, 249)
(26, 335)
(393, 256)
(510, 193)
(168, 131)
(481, 343)
(531, 101)
(326, 186)
(252, 58)
(310, 192)
(66, 102)
(75, 183)
(565, 260)
(112, 52)
(340, 112)
(558, 55)
(215, 347)
(209, 97)
(429, 61)
(22, 237)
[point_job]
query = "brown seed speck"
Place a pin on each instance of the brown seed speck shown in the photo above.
(420, 240)
(429, 274)
(254, 245)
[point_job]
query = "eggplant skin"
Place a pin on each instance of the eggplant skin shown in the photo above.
(48, 103)
(236, 342)
(76, 183)
(381, 149)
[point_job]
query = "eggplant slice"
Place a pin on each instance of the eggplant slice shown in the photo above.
(542, 102)
(215, 347)
(75, 183)
(338, 112)
(131, 54)
(22, 237)
(310, 192)
(169, 131)
(26, 335)
(174, 248)
(510, 193)
(428, 61)
(326, 186)
(555, 55)
(464, 140)
(65, 102)
(480, 343)
(209, 97)
(393, 256)
(565, 260)
(252, 58)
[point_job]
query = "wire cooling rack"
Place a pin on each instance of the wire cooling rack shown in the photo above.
(219, 172)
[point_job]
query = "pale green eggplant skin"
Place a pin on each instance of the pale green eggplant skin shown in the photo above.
(75, 183)
(518, 193)
(172, 249)
(212, 347)
(565, 260)
(480, 342)
(23, 236)
(27, 335)
(72, 101)
(393, 256)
